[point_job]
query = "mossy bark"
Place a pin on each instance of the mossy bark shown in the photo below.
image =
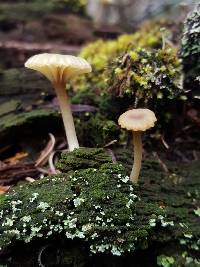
(157, 219)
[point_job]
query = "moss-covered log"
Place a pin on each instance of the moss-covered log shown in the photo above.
(24, 105)
(157, 220)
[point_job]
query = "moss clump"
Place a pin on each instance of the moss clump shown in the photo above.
(102, 208)
(10, 106)
(101, 53)
(147, 75)
(27, 10)
(139, 68)
(190, 49)
(83, 158)
(96, 205)
(25, 117)
(95, 130)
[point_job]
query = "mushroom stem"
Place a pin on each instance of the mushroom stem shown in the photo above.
(66, 112)
(137, 143)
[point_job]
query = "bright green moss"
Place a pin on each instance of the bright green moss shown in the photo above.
(83, 158)
(136, 70)
(101, 53)
(147, 75)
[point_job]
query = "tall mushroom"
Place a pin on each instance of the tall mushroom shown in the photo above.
(59, 69)
(137, 121)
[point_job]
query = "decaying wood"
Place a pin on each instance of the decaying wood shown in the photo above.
(36, 47)
(15, 53)
(43, 158)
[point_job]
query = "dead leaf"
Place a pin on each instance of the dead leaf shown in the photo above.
(4, 189)
(44, 155)
(16, 158)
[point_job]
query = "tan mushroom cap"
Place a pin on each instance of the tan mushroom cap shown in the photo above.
(58, 68)
(137, 119)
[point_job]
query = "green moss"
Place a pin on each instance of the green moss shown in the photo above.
(178, 259)
(9, 106)
(95, 130)
(136, 70)
(21, 118)
(190, 51)
(148, 76)
(83, 158)
(81, 206)
(98, 204)
(165, 261)
(100, 53)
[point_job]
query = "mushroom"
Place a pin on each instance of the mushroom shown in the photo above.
(59, 69)
(137, 121)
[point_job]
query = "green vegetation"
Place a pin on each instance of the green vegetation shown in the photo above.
(136, 70)
(190, 50)
(101, 53)
(165, 261)
(95, 205)
(94, 201)
(147, 76)
(147, 46)
(95, 130)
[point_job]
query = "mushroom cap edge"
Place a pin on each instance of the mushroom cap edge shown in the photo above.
(137, 119)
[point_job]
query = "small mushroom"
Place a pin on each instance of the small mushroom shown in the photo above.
(137, 121)
(59, 69)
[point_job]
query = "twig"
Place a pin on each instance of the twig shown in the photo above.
(42, 170)
(164, 142)
(112, 155)
(110, 143)
(162, 164)
(40, 255)
(43, 158)
(51, 163)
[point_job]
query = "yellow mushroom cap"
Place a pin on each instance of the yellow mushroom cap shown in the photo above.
(58, 68)
(137, 119)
